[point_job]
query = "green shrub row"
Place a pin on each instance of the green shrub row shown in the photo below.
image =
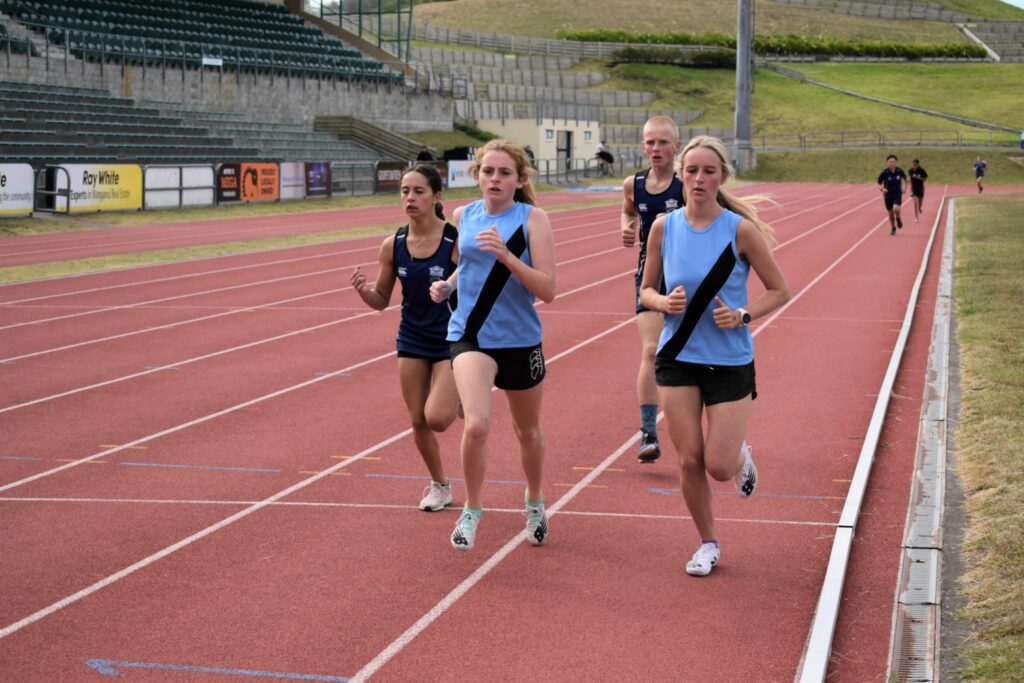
(705, 59)
(474, 132)
(785, 45)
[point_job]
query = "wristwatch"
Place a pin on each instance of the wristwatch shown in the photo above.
(744, 316)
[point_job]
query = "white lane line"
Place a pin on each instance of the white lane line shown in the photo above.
(136, 283)
(196, 359)
(262, 231)
(275, 394)
(818, 647)
(185, 276)
(245, 309)
(188, 321)
(404, 507)
(259, 342)
(119, 307)
(241, 514)
(441, 607)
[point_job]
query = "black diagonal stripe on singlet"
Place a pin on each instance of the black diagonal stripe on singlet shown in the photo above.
(493, 285)
(701, 299)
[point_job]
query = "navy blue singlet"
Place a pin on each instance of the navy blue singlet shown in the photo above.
(424, 324)
(648, 206)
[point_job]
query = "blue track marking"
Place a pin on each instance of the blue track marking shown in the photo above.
(373, 475)
(198, 467)
(109, 667)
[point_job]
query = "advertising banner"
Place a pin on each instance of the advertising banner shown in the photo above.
(227, 183)
(318, 179)
(101, 187)
(293, 180)
(458, 174)
(389, 176)
(17, 185)
(178, 186)
(259, 182)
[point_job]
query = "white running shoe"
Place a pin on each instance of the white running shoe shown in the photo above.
(536, 524)
(436, 497)
(464, 535)
(704, 560)
(746, 478)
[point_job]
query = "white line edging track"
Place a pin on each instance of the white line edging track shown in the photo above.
(814, 663)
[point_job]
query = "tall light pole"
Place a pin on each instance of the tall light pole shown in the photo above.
(744, 154)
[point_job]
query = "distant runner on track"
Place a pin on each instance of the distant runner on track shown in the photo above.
(891, 182)
(917, 177)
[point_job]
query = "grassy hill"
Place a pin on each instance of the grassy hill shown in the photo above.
(543, 18)
(782, 105)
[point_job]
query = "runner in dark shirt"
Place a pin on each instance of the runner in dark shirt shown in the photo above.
(891, 182)
(917, 177)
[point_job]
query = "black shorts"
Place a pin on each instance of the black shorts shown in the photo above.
(637, 281)
(717, 383)
(518, 368)
(917, 193)
(417, 356)
(893, 200)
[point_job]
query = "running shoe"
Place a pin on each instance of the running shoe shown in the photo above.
(893, 230)
(704, 560)
(536, 524)
(649, 451)
(436, 497)
(899, 222)
(746, 478)
(464, 534)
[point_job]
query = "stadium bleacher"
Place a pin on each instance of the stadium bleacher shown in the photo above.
(237, 34)
(49, 124)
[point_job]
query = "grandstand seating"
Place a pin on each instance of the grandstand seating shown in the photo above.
(42, 124)
(242, 34)
(12, 45)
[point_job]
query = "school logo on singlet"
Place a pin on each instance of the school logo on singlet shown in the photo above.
(436, 273)
(671, 205)
(642, 206)
(536, 363)
(401, 271)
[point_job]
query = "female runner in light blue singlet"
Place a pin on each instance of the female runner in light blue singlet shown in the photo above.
(507, 260)
(705, 358)
(417, 255)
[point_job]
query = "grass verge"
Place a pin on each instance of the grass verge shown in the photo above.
(38, 271)
(989, 295)
(45, 223)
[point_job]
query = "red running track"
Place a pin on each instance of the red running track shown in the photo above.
(65, 246)
(206, 474)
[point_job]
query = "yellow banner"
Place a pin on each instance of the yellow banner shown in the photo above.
(104, 187)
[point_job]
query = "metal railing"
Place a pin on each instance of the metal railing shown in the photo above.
(853, 139)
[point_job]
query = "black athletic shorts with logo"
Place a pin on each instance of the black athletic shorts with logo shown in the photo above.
(717, 383)
(518, 367)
